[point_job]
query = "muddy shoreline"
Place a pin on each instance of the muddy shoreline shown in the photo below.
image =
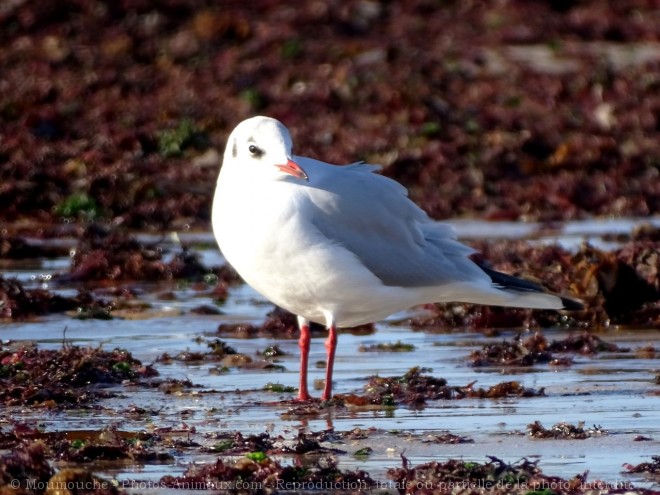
(182, 399)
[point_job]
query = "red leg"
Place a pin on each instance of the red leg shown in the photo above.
(303, 342)
(330, 347)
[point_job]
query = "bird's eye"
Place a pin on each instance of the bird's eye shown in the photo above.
(255, 151)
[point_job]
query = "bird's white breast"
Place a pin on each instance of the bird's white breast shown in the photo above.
(262, 236)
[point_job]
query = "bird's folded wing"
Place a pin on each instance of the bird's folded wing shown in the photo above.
(372, 216)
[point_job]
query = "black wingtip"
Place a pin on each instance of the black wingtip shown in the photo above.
(515, 283)
(571, 304)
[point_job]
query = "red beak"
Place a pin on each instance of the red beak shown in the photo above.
(292, 168)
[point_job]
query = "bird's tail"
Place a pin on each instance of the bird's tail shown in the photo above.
(529, 294)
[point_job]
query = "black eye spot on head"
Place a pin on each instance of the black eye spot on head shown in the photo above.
(255, 151)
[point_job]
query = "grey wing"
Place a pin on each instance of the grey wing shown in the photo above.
(372, 216)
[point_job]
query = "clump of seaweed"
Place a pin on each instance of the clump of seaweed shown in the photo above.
(256, 472)
(233, 443)
(18, 248)
(415, 388)
(564, 430)
(104, 254)
(397, 346)
(64, 377)
(517, 352)
(19, 303)
(536, 349)
(219, 350)
(652, 467)
(107, 445)
(26, 470)
(585, 343)
(26, 463)
(446, 437)
(493, 477)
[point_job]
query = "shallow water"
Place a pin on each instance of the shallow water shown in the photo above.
(613, 390)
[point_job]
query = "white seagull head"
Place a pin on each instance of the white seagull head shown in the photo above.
(261, 147)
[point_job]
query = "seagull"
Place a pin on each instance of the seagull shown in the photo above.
(341, 245)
